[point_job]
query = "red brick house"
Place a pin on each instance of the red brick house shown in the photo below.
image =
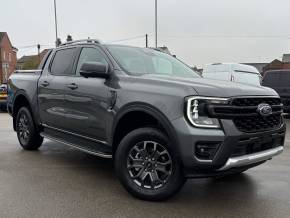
(274, 65)
(8, 57)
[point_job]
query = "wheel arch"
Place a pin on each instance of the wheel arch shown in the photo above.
(21, 100)
(150, 112)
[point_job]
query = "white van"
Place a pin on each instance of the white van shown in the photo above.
(241, 73)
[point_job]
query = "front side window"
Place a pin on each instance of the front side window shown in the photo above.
(140, 61)
(90, 55)
(63, 62)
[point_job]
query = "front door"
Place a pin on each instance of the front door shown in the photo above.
(87, 99)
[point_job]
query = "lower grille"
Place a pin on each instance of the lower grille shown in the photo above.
(257, 144)
(258, 123)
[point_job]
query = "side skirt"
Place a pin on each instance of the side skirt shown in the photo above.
(85, 145)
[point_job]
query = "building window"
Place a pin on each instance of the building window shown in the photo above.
(9, 56)
(4, 55)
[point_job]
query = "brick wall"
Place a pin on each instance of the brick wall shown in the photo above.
(286, 66)
(8, 59)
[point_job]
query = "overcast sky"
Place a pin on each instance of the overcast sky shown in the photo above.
(197, 31)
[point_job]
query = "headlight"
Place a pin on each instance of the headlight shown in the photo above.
(196, 111)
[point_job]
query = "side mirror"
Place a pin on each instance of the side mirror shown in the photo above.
(94, 70)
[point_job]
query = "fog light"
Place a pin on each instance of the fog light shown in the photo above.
(206, 150)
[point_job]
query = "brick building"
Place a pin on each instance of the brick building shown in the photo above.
(8, 57)
(276, 65)
(273, 65)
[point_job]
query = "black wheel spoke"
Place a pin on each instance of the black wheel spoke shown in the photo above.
(143, 175)
(155, 153)
(136, 163)
(162, 168)
(163, 163)
(137, 149)
(154, 178)
(138, 174)
(162, 153)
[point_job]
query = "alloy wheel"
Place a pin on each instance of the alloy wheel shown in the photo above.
(23, 128)
(149, 164)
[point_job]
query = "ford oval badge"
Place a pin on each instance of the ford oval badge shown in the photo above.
(264, 109)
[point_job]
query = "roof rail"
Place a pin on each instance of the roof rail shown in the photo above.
(96, 41)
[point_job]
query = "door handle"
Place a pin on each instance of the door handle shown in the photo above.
(44, 84)
(72, 86)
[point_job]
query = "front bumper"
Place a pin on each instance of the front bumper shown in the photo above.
(246, 160)
(229, 155)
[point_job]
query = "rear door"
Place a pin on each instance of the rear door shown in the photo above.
(87, 98)
(51, 87)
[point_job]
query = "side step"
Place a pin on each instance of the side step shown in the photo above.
(75, 146)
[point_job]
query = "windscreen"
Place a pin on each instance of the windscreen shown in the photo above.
(140, 61)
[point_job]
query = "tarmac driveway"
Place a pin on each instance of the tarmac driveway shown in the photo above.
(58, 181)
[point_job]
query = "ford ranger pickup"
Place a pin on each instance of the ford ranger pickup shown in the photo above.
(159, 120)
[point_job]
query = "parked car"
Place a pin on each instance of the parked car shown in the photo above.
(279, 80)
(158, 119)
(3, 97)
(241, 73)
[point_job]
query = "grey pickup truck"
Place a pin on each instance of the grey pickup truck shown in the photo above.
(158, 120)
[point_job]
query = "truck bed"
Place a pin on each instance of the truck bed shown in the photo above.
(25, 82)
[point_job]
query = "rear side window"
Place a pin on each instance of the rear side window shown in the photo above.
(63, 62)
(271, 79)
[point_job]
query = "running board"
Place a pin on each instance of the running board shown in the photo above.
(108, 156)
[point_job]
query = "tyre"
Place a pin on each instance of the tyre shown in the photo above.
(27, 134)
(147, 166)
